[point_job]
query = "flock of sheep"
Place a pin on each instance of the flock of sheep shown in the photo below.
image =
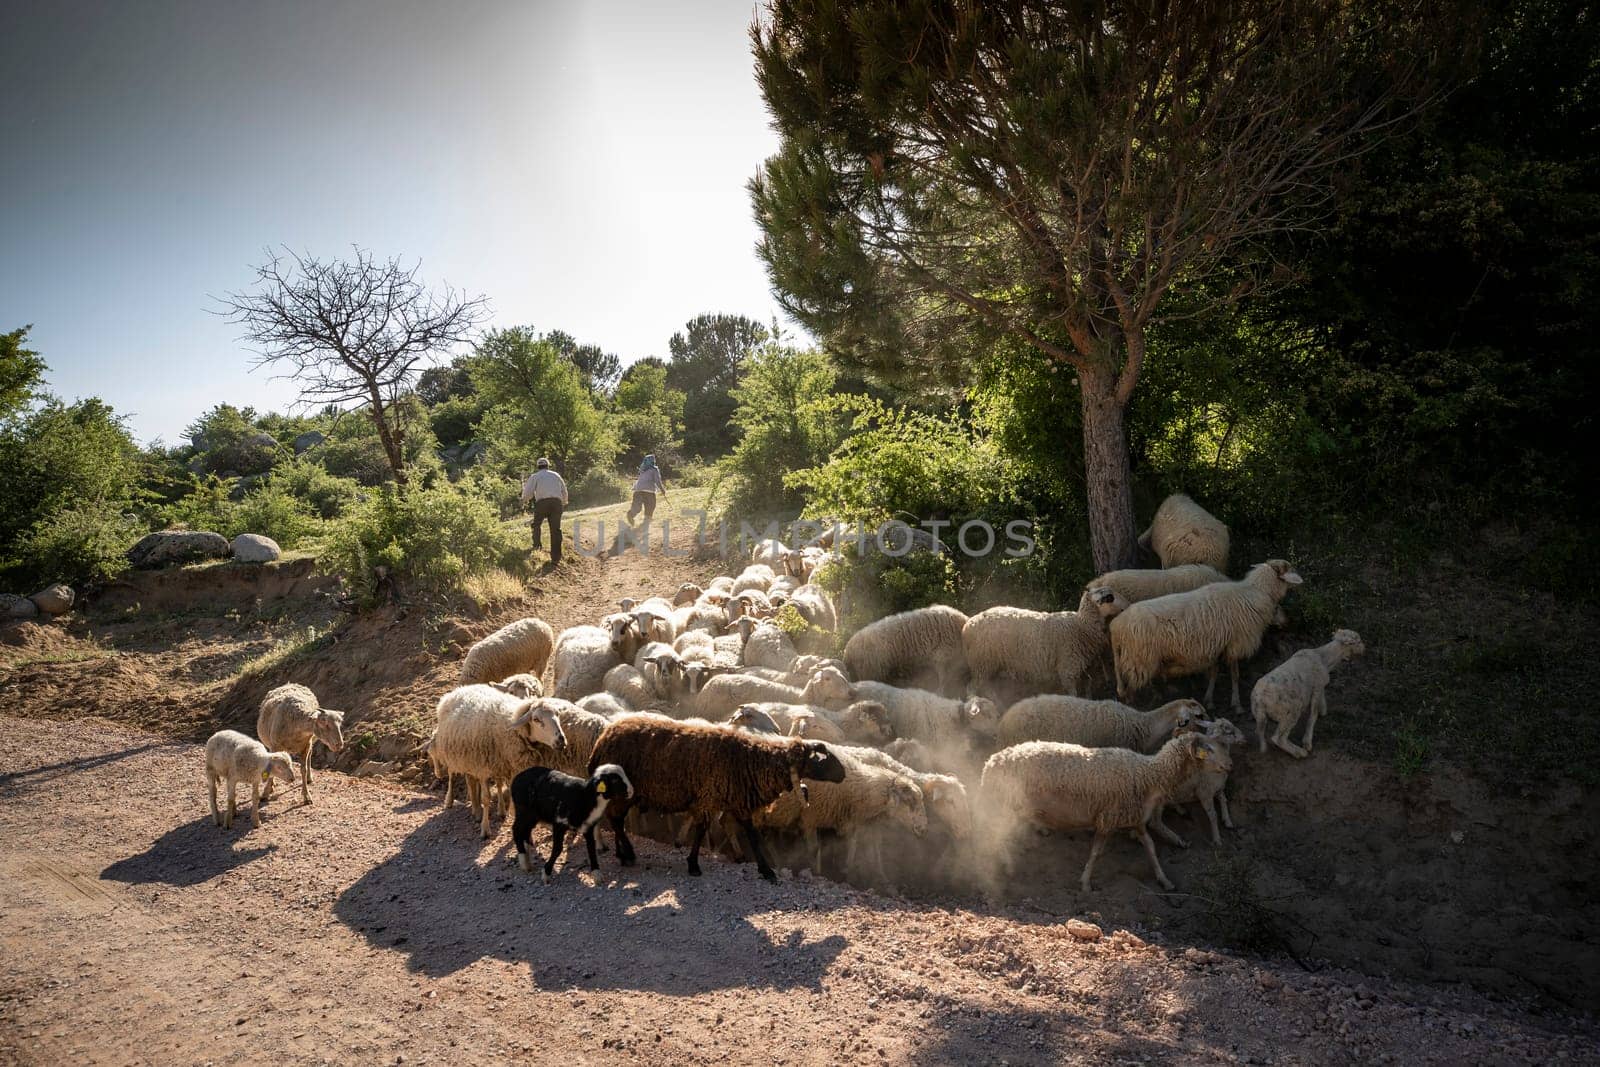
(701, 716)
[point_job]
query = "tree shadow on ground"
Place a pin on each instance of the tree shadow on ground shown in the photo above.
(13, 783)
(651, 927)
(195, 852)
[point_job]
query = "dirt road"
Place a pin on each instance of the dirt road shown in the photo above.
(372, 926)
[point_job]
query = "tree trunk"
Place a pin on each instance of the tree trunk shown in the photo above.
(386, 436)
(1106, 472)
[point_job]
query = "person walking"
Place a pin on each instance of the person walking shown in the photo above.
(548, 491)
(645, 488)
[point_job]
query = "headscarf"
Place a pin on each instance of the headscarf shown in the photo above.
(649, 461)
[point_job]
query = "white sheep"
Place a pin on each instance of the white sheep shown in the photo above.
(1185, 633)
(945, 796)
(520, 685)
(632, 686)
(772, 553)
(626, 637)
(581, 727)
(920, 648)
(936, 720)
(1184, 532)
(583, 655)
(605, 705)
(719, 697)
(723, 584)
(655, 619)
(863, 723)
(520, 647)
(1041, 652)
(489, 736)
(1068, 787)
(1206, 786)
(291, 720)
(816, 607)
(695, 645)
(1146, 584)
(703, 616)
(767, 646)
(1094, 723)
(867, 794)
(233, 757)
(1299, 685)
(757, 576)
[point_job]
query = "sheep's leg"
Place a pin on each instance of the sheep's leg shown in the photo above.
(619, 833)
(232, 807)
(588, 843)
(211, 784)
(1211, 685)
(1211, 814)
(305, 781)
(1094, 854)
(1280, 737)
(762, 863)
(1166, 831)
(1261, 726)
(1233, 672)
(558, 841)
(488, 811)
(1222, 799)
(450, 785)
(1150, 850)
(255, 802)
(1319, 704)
(814, 846)
(697, 833)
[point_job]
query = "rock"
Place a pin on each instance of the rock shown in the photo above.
(261, 440)
(472, 453)
(13, 606)
(1084, 931)
(55, 599)
(255, 548)
(1268, 980)
(166, 547)
(371, 767)
(242, 487)
(307, 440)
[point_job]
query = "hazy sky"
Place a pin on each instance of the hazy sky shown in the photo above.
(580, 163)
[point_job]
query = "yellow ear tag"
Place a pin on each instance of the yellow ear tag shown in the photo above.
(599, 787)
(266, 775)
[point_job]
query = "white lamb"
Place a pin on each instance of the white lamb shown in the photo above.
(757, 576)
(1206, 786)
(1040, 652)
(1069, 787)
(520, 685)
(816, 607)
(583, 655)
(920, 648)
(605, 705)
(489, 737)
(772, 553)
(291, 720)
(233, 757)
(1136, 585)
(626, 637)
(862, 723)
(867, 794)
(1094, 723)
(1185, 633)
(936, 720)
(581, 727)
(519, 647)
(767, 646)
(1184, 532)
(944, 794)
(1299, 685)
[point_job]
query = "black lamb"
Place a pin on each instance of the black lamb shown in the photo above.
(566, 803)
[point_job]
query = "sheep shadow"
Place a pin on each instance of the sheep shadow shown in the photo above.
(646, 928)
(16, 782)
(195, 852)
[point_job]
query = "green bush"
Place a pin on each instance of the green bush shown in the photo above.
(870, 585)
(208, 505)
(432, 538)
(274, 512)
(694, 473)
(598, 486)
(328, 495)
(83, 544)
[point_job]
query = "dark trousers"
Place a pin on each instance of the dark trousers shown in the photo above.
(548, 510)
(642, 498)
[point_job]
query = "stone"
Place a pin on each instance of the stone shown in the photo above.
(255, 548)
(244, 485)
(309, 439)
(13, 606)
(261, 440)
(1084, 931)
(472, 453)
(54, 599)
(166, 547)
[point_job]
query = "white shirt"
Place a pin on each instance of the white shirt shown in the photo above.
(544, 485)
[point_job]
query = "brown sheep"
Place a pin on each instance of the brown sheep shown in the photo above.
(701, 770)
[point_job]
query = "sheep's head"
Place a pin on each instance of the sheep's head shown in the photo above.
(625, 636)
(906, 804)
(947, 799)
(688, 593)
(697, 675)
(1280, 619)
(537, 723)
(829, 688)
(794, 563)
(980, 715)
(1108, 602)
(816, 761)
(627, 603)
(1203, 751)
(1185, 713)
(330, 728)
(611, 782)
(868, 721)
(280, 765)
(747, 626)
(749, 717)
(521, 686)
(1285, 574)
(1349, 642)
(1224, 731)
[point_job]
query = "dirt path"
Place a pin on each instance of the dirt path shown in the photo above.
(372, 926)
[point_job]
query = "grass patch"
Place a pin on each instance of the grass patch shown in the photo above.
(295, 643)
(76, 655)
(491, 587)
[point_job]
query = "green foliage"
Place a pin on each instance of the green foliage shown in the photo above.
(432, 538)
(21, 372)
(327, 495)
(208, 505)
(871, 584)
(80, 544)
(539, 407)
(598, 370)
(707, 358)
(275, 512)
(649, 416)
(598, 486)
(790, 420)
(354, 450)
(226, 440)
(455, 419)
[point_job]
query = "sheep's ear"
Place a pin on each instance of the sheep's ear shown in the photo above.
(503, 687)
(1292, 578)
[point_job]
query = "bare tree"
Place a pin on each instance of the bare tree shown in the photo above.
(954, 172)
(352, 331)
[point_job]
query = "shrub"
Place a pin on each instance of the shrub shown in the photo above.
(432, 537)
(208, 505)
(868, 586)
(328, 495)
(276, 513)
(82, 544)
(598, 486)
